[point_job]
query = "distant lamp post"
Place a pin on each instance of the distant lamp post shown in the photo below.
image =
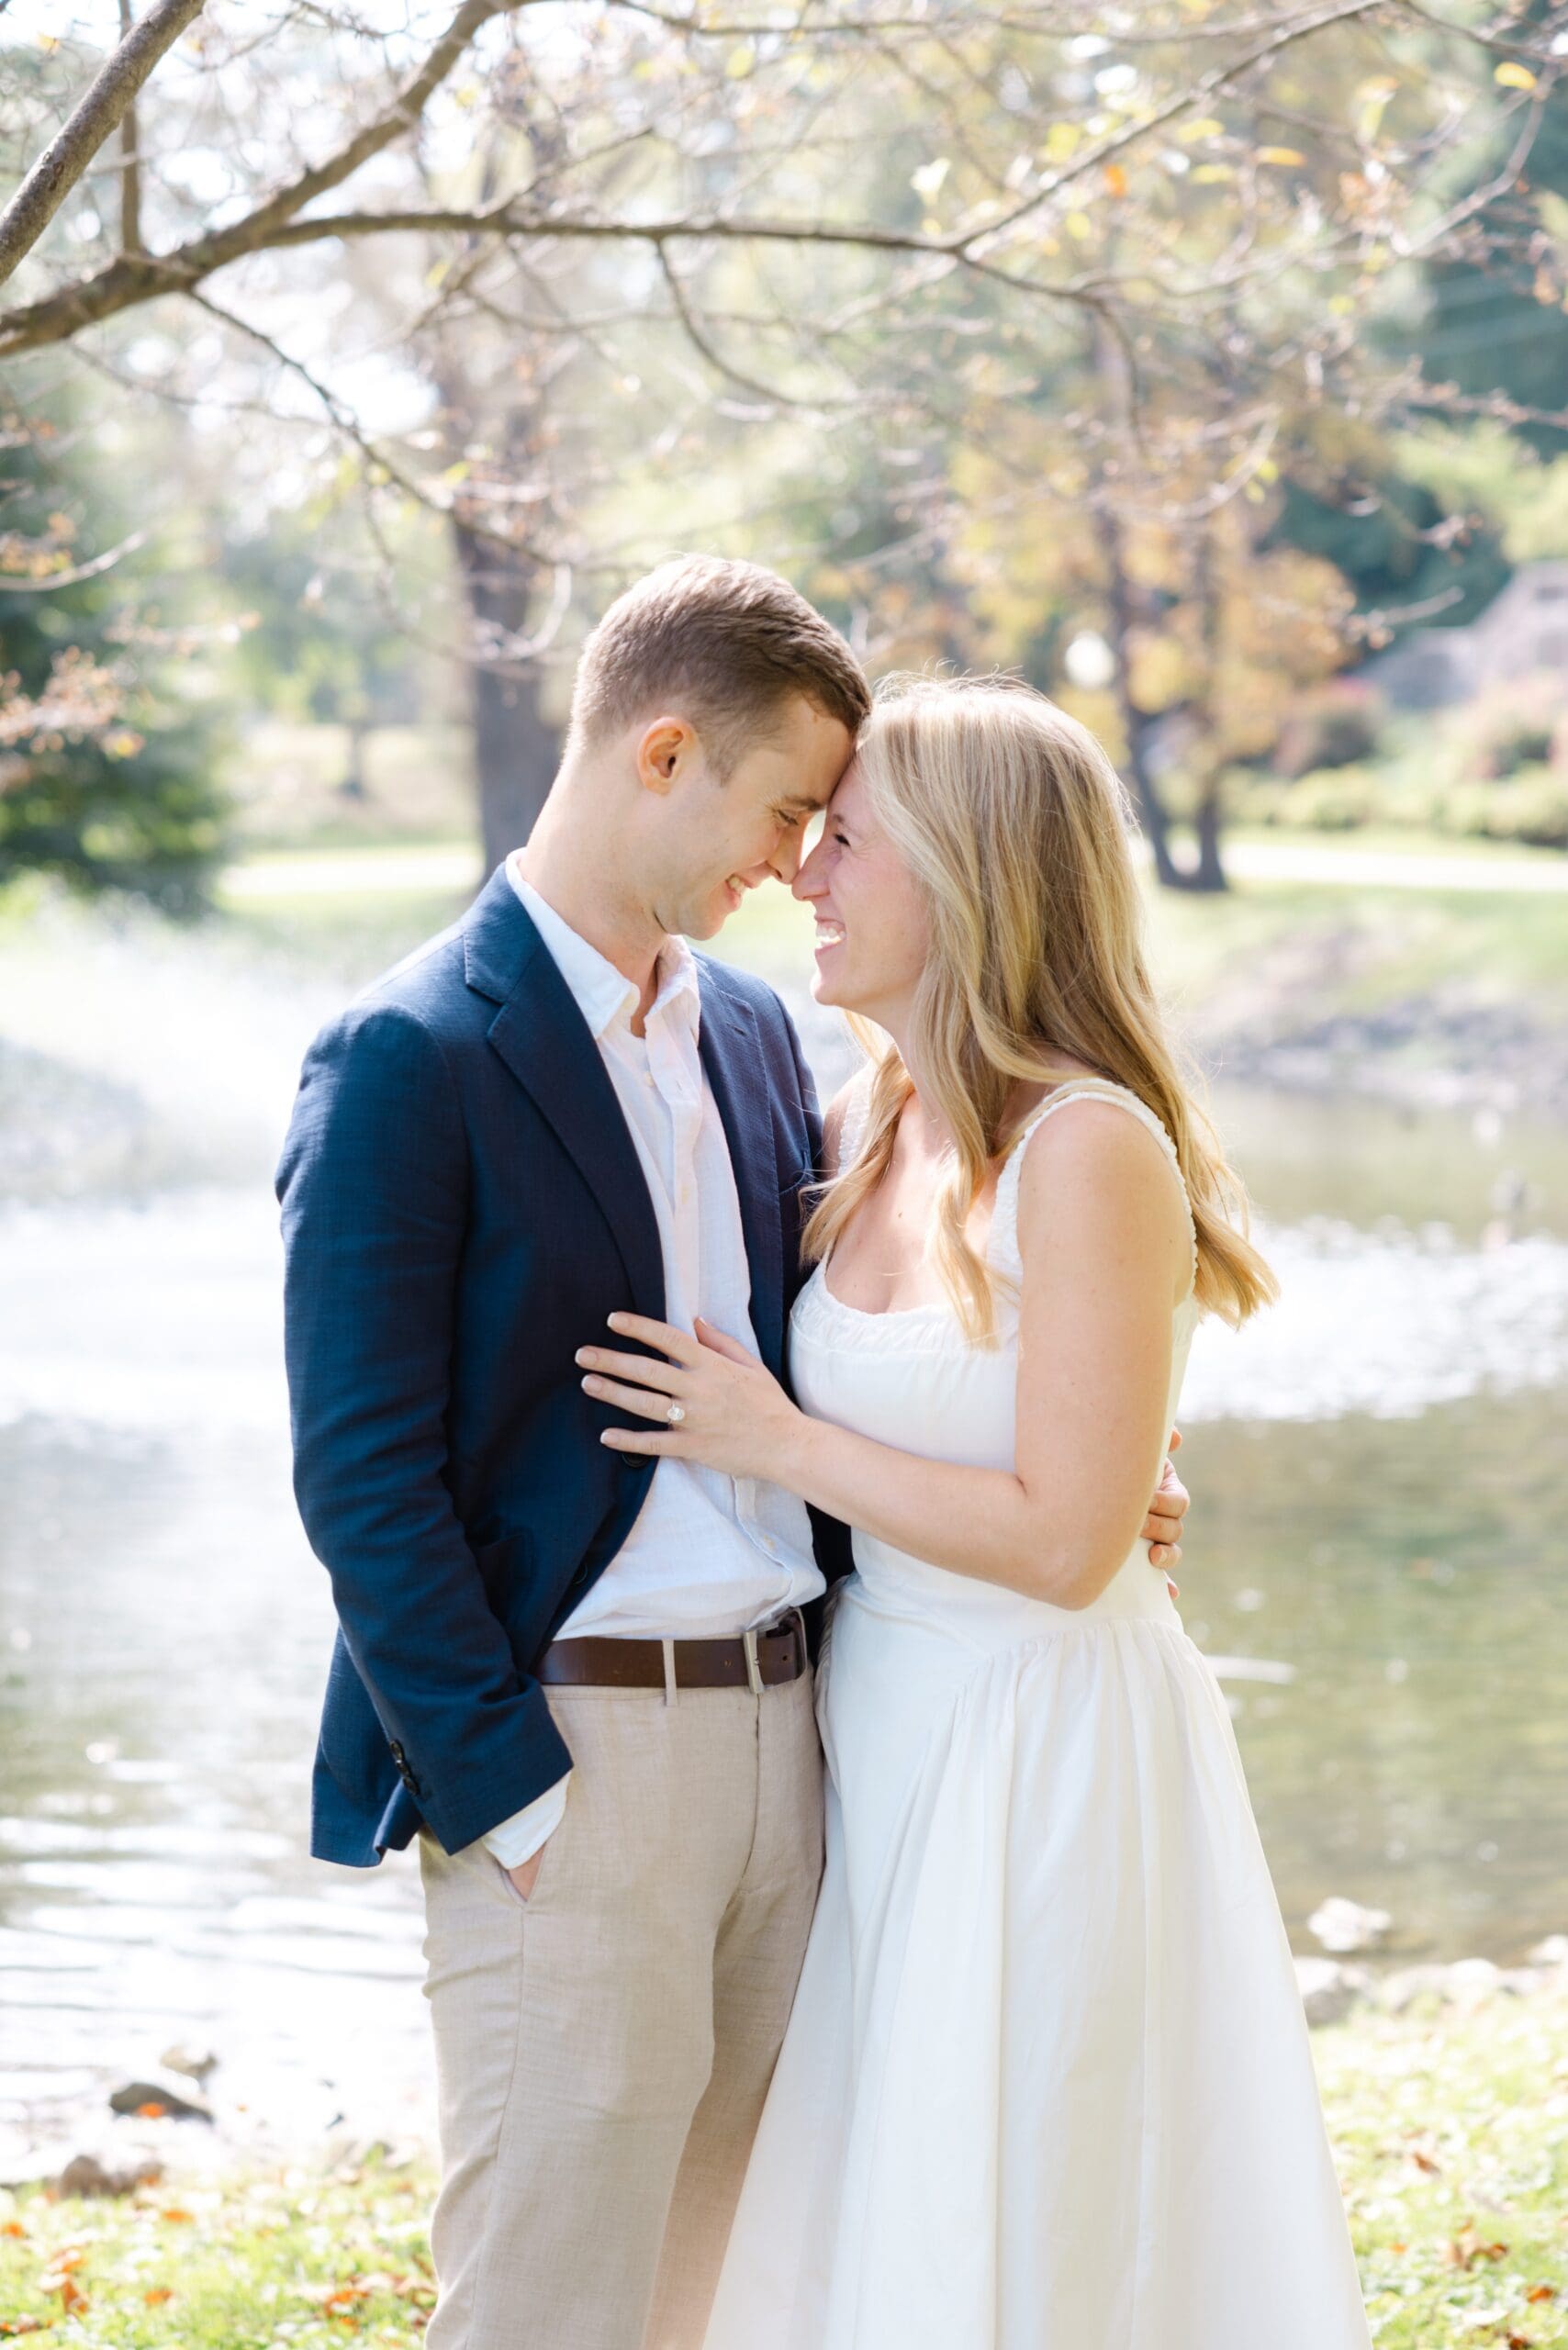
(1089, 661)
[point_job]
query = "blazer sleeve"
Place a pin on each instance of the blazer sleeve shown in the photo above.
(372, 1185)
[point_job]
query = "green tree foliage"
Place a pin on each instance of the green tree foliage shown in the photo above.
(106, 777)
(1392, 539)
(1496, 324)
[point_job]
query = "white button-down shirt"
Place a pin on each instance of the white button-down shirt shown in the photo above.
(709, 1556)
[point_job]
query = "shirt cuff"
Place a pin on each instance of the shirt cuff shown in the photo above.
(518, 1838)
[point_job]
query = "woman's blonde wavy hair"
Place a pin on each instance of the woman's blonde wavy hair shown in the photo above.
(1015, 824)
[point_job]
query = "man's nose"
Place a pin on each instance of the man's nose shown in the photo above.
(785, 860)
(807, 882)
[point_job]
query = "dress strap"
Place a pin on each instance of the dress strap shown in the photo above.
(857, 1110)
(1003, 1244)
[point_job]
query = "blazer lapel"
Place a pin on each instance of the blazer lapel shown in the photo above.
(732, 1059)
(543, 1039)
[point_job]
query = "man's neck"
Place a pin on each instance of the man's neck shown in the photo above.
(573, 883)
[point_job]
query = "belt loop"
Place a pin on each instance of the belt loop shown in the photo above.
(752, 1670)
(670, 1685)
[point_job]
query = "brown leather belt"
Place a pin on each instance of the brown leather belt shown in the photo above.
(698, 1664)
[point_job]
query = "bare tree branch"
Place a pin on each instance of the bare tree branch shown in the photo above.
(93, 121)
(49, 582)
(130, 237)
(139, 277)
(130, 282)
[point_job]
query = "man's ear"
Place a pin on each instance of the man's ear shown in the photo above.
(664, 748)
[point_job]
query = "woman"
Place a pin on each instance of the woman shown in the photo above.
(1046, 2085)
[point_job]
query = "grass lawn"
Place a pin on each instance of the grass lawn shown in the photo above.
(1451, 2133)
(1356, 949)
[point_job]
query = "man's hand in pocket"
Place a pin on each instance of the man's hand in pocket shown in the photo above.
(526, 1873)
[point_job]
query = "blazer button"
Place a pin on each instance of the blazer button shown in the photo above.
(578, 1579)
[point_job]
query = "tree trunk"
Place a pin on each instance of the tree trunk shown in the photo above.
(1155, 822)
(354, 785)
(1121, 618)
(1209, 873)
(515, 751)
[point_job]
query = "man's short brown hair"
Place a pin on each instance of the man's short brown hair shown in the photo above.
(724, 643)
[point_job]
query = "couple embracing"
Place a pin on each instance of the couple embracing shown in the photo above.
(626, 1391)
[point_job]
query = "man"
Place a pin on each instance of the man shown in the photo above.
(551, 1112)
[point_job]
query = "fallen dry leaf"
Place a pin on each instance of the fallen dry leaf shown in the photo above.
(12, 2228)
(10, 2327)
(157, 2293)
(1467, 2248)
(1541, 2293)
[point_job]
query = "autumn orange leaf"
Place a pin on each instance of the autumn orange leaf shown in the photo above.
(174, 2212)
(1541, 2293)
(12, 2228)
(157, 2293)
(1115, 179)
(10, 2327)
(343, 2301)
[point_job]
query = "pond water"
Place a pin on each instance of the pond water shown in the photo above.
(1376, 1560)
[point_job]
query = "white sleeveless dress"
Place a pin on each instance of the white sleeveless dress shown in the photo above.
(1047, 2084)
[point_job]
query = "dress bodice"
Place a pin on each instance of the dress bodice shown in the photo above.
(912, 1379)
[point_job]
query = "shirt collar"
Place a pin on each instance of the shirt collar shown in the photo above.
(602, 994)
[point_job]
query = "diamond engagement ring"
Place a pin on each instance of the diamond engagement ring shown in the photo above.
(676, 1414)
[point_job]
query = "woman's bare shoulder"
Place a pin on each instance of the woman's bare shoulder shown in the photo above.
(1096, 1179)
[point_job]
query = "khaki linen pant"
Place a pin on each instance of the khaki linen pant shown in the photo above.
(603, 2048)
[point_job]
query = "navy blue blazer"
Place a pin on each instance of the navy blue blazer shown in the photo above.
(462, 1207)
